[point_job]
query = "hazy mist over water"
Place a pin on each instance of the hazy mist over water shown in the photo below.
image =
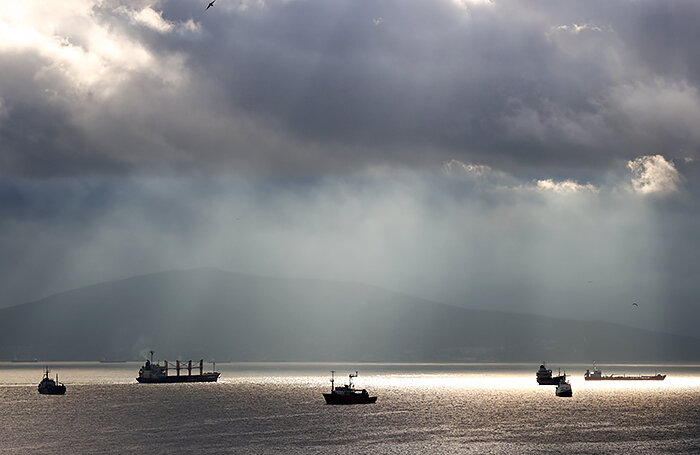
(278, 407)
(491, 241)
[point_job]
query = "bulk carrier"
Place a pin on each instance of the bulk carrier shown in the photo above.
(154, 373)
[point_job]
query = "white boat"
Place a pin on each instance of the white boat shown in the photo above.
(564, 389)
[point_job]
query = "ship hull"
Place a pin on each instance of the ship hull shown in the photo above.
(628, 378)
(334, 398)
(56, 390)
(207, 377)
(551, 381)
(568, 393)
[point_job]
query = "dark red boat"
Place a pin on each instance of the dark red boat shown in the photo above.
(347, 394)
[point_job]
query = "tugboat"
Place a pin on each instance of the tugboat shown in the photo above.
(563, 389)
(544, 376)
(48, 386)
(347, 394)
(154, 373)
(597, 375)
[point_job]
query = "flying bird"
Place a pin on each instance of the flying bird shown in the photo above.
(210, 5)
(635, 304)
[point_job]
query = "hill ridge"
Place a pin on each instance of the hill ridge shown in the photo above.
(208, 312)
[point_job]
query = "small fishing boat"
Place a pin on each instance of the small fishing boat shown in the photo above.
(564, 389)
(48, 386)
(347, 394)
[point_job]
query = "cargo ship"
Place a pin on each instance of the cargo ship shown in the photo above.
(544, 376)
(347, 394)
(48, 386)
(597, 375)
(154, 373)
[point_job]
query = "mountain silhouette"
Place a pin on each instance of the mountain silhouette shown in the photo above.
(209, 313)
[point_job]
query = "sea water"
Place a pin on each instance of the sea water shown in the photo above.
(278, 408)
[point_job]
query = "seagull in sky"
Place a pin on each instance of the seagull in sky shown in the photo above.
(635, 304)
(210, 5)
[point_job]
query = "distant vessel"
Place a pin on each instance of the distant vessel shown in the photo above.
(48, 386)
(347, 394)
(544, 376)
(152, 373)
(563, 389)
(597, 375)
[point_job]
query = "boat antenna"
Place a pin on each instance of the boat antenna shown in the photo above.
(350, 379)
(151, 356)
(332, 380)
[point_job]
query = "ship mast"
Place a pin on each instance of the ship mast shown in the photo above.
(332, 380)
(352, 376)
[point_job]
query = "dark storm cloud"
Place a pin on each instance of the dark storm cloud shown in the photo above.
(313, 86)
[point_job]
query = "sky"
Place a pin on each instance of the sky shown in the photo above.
(538, 157)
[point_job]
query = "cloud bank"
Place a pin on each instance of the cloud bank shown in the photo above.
(309, 87)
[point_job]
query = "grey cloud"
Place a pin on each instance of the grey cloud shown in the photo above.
(313, 87)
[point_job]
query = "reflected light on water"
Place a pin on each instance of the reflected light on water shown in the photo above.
(371, 376)
(378, 382)
(260, 408)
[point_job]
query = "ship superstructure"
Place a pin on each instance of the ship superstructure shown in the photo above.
(544, 376)
(151, 373)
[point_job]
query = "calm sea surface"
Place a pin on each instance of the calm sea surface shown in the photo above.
(278, 408)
